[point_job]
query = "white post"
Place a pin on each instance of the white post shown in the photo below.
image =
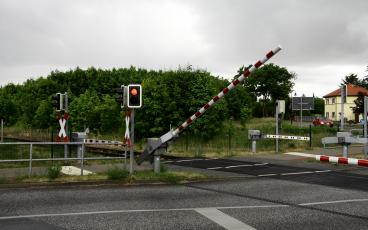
(254, 146)
(30, 161)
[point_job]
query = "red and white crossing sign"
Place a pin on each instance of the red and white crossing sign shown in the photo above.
(62, 135)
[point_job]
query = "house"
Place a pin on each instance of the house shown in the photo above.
(333, 103)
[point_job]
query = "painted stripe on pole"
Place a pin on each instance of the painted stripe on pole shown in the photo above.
(223, 219)
(352, 161)
(334, 159)
(363, 163)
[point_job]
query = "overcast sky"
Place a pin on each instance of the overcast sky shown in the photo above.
(322, 40)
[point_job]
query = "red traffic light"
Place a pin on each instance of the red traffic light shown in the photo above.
(134, 96)
(134, 92)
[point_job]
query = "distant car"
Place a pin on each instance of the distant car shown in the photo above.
(322, 122)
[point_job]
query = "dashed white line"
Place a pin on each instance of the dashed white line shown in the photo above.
(322, 171)
(223, 219)
(295, 173)
(237, 166)
(215, 168)
(265, 175)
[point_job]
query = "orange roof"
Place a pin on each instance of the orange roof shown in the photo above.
(353, 90)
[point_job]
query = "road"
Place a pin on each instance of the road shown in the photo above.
(265, 196)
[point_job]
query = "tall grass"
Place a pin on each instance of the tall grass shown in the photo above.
(237, 142)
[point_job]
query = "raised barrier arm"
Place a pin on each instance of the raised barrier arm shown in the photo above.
(172, 133)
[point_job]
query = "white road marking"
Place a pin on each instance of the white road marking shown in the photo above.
(301, 154)
(295, 173)
(223, 219)
(190, 160)
(237, 166)
(322, 171)
(175, 209)
(260, 164)
(271, 174)
(132, 211)
(333, 202)
(215, 168)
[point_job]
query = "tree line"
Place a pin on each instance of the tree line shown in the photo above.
(169, 97)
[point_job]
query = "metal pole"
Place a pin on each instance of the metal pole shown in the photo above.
(345, 150)
(365, 125)
(2, 130)
(301, 110)
(66, 125)
(342, 108)
(30, 160)
(277, 129)
(310, 136)
(156, 163)
(82, 160)
(131, 170)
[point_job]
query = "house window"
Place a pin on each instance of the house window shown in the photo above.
(327, 115)
(333, 114)
(333, 101)
(327, 101)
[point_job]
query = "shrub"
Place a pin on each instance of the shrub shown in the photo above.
(117, 174)
(53, 172)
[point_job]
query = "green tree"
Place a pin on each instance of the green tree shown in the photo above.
(319, 106)
(270, 83)
(352, 79)
(359, 103)
(44, 118)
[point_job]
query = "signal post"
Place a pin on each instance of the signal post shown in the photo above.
(130, 97)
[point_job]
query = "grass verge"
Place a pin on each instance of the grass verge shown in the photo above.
(114, 174)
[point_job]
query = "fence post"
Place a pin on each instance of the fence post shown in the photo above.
(310, 136)
(30, 160)
(82, 160)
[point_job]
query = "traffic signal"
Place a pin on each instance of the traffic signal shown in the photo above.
(57, 101)
(121, 96)
(134, 96)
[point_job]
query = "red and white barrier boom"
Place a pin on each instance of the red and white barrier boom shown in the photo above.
(342, 160)
(169, 135)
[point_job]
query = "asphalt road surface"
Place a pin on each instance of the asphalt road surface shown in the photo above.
(269, 196)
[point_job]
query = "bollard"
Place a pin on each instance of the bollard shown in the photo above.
(156, 161)
(30, 161)
(345, 151)
(254, 146)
